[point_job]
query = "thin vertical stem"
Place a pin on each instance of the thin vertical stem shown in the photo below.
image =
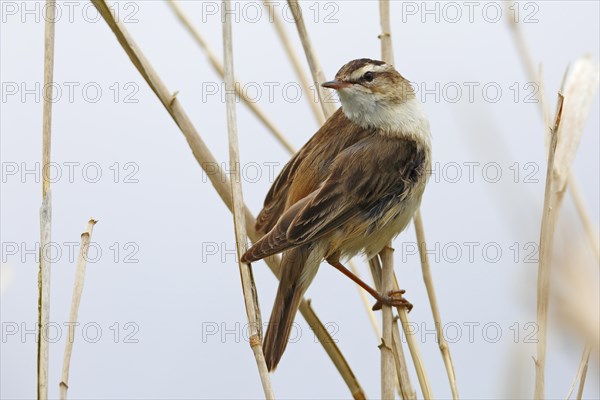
(581, 373)
(43, 353)
(573, 185)
(387, 254)
(415, 354)
(315, 69)
(551, 205)
(387, 357)
(580, 89)
(218, 67)
(409, 335)
(387, 52)
(291, 53)
(248, 286)
(405, 387)
(86, 236)
(437, 319)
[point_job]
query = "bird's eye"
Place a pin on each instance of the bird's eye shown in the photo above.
(368, 76)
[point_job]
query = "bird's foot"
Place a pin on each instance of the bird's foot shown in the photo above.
(394, 299)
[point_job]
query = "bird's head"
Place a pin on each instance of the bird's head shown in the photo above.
(368, 87)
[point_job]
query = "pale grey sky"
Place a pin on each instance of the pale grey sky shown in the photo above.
(162, 314)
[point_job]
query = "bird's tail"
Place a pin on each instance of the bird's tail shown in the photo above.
(298, 268)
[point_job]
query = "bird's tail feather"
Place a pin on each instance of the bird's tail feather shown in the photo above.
(298, 268)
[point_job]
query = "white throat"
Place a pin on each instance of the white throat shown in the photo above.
(405, 119)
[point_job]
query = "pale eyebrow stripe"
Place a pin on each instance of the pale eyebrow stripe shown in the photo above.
(356, 75)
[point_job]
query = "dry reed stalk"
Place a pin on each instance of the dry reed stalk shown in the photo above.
(218, 67)
(241, 237)
(43, 349)
(579, 88)
(387, 51)
(291, 53)
(388, 358)
(552, 200)
(413, 346)
(580, 376)
(404, 386)
(415, 354)
(542, 102)
(315, 68)
(375, 266)
(388, 365)
(425, 266)
(387, 254)
(526, 57)
(403, 379)
(583, 375)
(220, 181)
(574, 186)
(332, 350)
(86, 237)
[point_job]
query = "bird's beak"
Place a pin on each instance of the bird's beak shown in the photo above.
(335, 85)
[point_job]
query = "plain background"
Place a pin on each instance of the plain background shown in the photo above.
(162, 303)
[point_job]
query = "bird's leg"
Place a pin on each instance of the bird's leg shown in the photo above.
(392, 298)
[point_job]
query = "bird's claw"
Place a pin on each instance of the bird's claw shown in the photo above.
(394, 299)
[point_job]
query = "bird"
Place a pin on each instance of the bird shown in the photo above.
(352, 188)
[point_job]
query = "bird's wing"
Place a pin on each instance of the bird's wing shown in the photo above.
(359, 178)
(276, 240)
(363, 176)
(278, 197)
